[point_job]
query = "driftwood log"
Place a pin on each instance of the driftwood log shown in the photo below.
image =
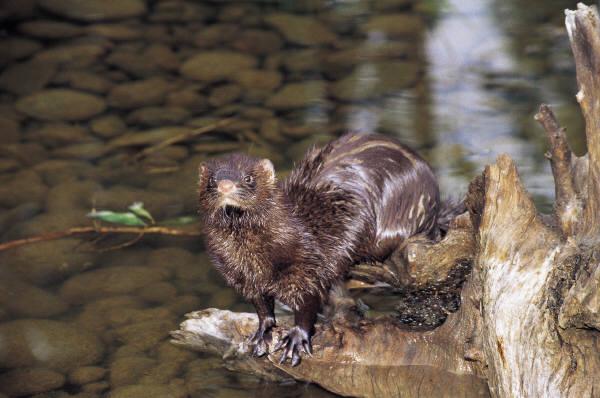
(529, 321)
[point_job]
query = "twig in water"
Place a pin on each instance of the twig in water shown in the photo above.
(182, 137)
(155, 230)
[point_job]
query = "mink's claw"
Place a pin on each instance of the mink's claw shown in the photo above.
(296, 339)
(262, 337)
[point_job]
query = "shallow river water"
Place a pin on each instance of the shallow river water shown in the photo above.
(85, 86)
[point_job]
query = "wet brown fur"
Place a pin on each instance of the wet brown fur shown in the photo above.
(355, 199)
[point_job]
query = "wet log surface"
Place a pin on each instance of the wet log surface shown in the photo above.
(529, 320)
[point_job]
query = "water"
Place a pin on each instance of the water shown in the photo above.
(458, 80)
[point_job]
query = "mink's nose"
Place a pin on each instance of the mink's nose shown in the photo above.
(225, 187)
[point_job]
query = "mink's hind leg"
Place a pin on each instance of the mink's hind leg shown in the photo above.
(300, 335)
(265, 309)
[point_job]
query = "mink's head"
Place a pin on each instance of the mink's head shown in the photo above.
(236, 184)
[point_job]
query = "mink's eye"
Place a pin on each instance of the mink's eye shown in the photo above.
(212, 182)
(249, 179)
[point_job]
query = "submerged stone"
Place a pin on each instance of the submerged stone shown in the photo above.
(303, 30)
(95, 10)
(297, 95)
(27, 77)
(48, 29)
(139, 93)
(29, 381)
(55, 345)
(213, 66)
(61, 104)
(110, 281)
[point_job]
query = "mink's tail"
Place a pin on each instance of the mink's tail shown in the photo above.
(450, 208)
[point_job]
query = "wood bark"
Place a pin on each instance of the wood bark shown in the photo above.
(529, 321)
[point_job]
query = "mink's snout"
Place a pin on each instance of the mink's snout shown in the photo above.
(226, 187)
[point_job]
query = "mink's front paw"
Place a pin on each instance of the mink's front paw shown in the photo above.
(262, 337)
(296, 339)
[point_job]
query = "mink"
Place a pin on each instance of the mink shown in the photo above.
(355, 199)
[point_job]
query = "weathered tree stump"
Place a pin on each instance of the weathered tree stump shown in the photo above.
(529, 322)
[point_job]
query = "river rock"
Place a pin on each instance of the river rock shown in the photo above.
(163, 373)
(163, 56)
(139, 93)
(258, 42)
(148, 137)
(28, 153)
(55, 345)
(376, 79)
(23, 300)
(115, 31)
(395, 25)
(30, 381)
(95, 388)
(77, 55)
(24, 186)
(255, 79)
(72, 196)
(301, 61)
(224, 94)
(183, 304)
(95, 10)
(133, 63)
(145, 335)
(10, 130)
(127, 370)
(48, 29)
(15, 48)
(213, 66)
(57, 171)
(27, 77)
(297, 95)
(49, 262)
(109, 282)
(302, 30)
(61, 104)
(108, 126)
(88, 150)
(188, 98)
(86, 374)
(158, 116)
(18, 214)
(59, 134)
(118, 317)
(43, 223)
(270, 129)
(85, 81)
(158, 293)
(95, 314)
(216, 35)
(180, 11)
(144, 62)
(149, 391)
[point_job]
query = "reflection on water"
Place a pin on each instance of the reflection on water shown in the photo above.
(85, 86)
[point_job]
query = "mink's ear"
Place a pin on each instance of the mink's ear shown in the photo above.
(267, 167)
(202, 173)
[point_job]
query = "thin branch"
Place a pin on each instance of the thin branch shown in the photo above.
(182, 137)
(568, 205)
(156, 230)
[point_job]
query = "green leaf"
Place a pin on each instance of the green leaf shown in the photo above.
(183, 220)
(138, 209)
(117, 218)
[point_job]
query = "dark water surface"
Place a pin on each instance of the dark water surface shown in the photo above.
(86, 85)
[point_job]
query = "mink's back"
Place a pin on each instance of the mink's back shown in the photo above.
(361, 195)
